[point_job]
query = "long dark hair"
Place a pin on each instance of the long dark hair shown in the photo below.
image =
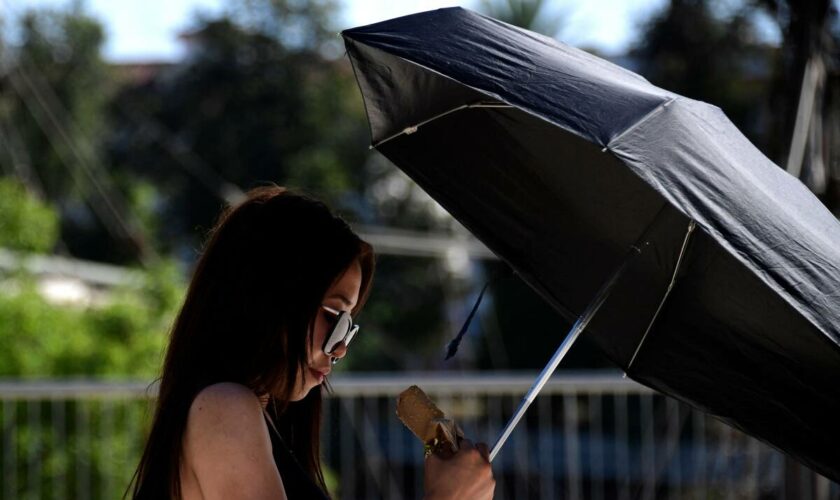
(247, 318)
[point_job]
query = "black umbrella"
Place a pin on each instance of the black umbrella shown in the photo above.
(569, 167)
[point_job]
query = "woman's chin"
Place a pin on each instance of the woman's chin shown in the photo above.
(299, 395)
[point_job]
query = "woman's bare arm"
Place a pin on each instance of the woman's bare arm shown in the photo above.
(227, 447)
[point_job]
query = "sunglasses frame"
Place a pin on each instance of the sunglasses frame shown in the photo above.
(346, 338)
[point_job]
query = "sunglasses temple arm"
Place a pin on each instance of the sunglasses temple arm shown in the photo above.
(581, 323)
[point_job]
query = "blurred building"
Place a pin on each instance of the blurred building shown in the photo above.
(65, 281)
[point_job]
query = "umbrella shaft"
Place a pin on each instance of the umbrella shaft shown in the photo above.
(577, 328)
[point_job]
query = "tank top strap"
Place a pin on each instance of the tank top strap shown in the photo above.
(296, 481)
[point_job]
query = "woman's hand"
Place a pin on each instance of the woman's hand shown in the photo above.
(466, 474)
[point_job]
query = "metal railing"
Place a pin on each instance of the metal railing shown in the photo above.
(588, 436)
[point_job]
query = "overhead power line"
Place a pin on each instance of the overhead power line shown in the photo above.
(187, 159)
(109, 207)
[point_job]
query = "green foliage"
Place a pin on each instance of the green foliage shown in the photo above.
(59, 77)
(52, 97)
(246, 108)
(26, 223)
(123, 338)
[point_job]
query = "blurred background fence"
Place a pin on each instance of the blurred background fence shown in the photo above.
(590, 435)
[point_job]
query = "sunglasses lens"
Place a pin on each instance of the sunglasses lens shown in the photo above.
(352, 333)
(339, 332)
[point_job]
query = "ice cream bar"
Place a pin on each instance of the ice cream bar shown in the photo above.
(439, 434)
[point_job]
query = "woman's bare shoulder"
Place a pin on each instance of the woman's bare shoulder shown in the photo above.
(224, 410)
(223, 395)
(226, 443)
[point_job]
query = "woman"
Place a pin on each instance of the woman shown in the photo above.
(268, 312)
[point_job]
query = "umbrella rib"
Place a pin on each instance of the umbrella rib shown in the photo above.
(413, 128)
(688, 232)
(638, 122)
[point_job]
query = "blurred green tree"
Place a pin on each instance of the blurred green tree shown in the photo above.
(243, 109)
(26, 223)
(52, 96)
(58, 58)
(118, 337)
(121, 338)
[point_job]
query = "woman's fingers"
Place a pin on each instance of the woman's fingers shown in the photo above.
(484, 450)
(466, 474)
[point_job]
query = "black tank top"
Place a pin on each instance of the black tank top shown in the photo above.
(296, 481)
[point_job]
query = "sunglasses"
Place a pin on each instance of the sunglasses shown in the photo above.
(343, 330)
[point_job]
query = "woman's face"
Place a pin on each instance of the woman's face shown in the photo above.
(341, 296)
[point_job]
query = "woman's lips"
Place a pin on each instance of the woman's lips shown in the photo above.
(319, 375)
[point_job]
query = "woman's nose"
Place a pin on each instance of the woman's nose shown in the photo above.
(339, 351)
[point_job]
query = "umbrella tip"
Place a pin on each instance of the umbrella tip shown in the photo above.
(452, 349)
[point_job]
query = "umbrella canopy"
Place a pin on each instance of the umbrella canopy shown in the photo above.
(560, 162)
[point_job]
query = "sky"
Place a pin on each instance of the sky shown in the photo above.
(146, 30)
